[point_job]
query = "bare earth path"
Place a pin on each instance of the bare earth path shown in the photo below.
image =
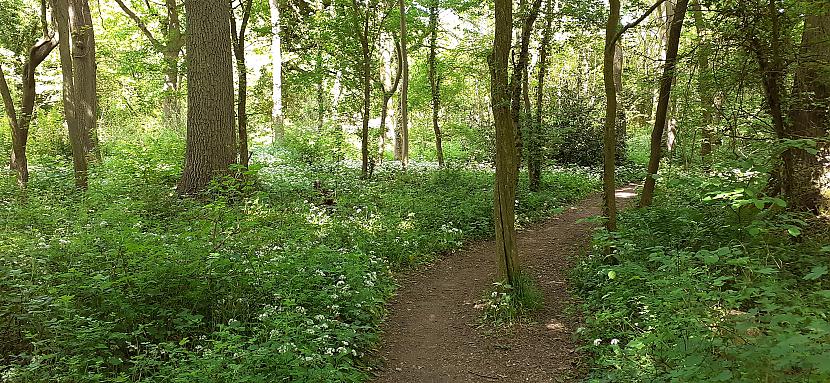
(431, 334)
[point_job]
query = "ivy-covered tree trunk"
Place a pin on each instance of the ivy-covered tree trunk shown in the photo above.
(211, 140)
(506, 158)
(807, 176)
(663, 101)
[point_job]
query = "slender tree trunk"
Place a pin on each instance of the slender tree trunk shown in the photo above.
(610, 134)
(238, 41)
(434, 80)
(367, 96)
(519, 72)
(20, 123)
(276, 72)
(534, 139)
(211, 140)
(506, 166)
(390, 85)
(663, 102)
(404, 88)
(809, 177)
(622, 119)
(705, 84)
(170, 49)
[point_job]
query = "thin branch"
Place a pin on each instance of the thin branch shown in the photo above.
(636, 22)
(141, 25)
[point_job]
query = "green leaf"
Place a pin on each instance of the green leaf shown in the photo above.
(815, 273)
(612, 274)
(794, 231)
(754, 231)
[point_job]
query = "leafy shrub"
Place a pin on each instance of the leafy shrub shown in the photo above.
(715, 283)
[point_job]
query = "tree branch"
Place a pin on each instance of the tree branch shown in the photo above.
(8, 103)
(143, 27)
(636, 22)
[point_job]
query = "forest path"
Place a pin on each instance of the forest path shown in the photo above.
(432, 334)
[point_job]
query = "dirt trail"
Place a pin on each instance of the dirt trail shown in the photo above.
(431, 334)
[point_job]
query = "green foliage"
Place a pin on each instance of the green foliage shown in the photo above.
(506, 304)
(280, 275)
(715, 283)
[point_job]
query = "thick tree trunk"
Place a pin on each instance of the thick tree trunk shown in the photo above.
(277, 118)
(85, 73)
(211, 140)
(506, 166)
(404, 89)
(534, 137)
(663, 101)
(434, 80)
(610, 135)
(73, 107)
(808, 176)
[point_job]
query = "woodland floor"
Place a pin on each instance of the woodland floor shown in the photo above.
(433, 334)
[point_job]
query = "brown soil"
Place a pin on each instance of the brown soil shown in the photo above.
(433, 332)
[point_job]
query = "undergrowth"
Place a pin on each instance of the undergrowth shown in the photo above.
(714, 283)
(282, 277)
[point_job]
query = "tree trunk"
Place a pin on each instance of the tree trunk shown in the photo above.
(404, 89)
(211, 141)
(534, 137)
(276, 72)
(367, 97)
(170, 49)
(808, 176)
(705, 84)
(73, 107)
(238, 41)
(663, 101)
(434, 80)
(84, 70)
(19, 124)
(610, 134)
(506, 167)
(519, 71)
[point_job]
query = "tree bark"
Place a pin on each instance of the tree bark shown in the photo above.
(506, 159)
(808, 176)
(404, 88)
(19, 123)
(705, 84)
(534, 137)
(663, 101)
(211, 141)
(610, 135)
(277, 117)
(76, 55)
(519, 71)
(238, 41)
(434, 79)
